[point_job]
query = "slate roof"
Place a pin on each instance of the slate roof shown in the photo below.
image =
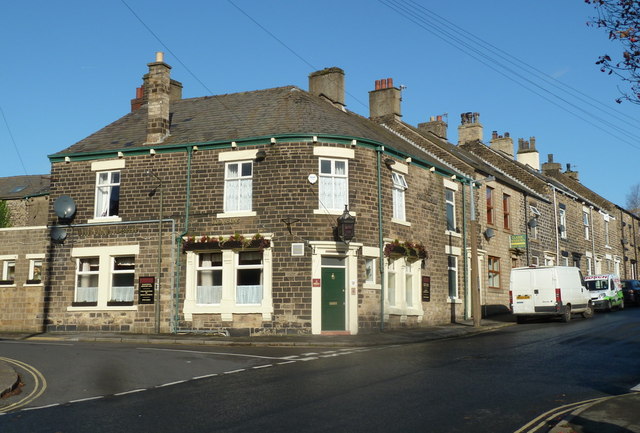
(17, 187)
(260, 113)
(583, 191)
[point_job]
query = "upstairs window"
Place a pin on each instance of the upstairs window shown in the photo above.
(606, 233)
(35, 271)
(490, 208)
(8, 271)
(562, 228)
(585, 222)
(107, 194)
(238, 186)
(506, 211)
(450, 207)
(399, 187)
(333, 186)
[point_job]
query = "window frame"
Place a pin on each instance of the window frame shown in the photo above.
(333, 177)
(32, 270)
(452, 277)
(398, 187)
(8, 270)
(562, 222)
(113, 272)
(506, 211)
(233, 201)
(450, 204)
(493, 272)
(585, 223)
(110, 185)
(490, 205)
(370, 271)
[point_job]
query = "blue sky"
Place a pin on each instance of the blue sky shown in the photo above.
(71, 67)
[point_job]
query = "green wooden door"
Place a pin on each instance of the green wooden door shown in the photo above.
(333, 297)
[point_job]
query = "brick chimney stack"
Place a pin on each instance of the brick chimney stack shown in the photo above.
(435, 126)
(571, 173)
(329, 84)
(550, 166)
(470, 128)
(385, 100)
(157, 89)
(528, 154)
(502, 143)
(142, 96)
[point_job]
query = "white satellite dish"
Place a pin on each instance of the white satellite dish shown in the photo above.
(64, 207)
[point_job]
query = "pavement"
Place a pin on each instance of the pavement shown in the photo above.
(614, 414)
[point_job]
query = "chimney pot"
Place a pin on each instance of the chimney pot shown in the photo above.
(159, 56)
(389, 82)
(439, 118)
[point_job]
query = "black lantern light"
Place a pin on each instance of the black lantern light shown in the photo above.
(346, 226)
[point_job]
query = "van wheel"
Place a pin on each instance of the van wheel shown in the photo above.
(588, 313)
(566, 316)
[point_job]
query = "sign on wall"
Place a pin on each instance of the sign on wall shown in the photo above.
(146, 290)
(518, 241)
(426, 289)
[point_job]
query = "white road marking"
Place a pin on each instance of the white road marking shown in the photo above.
(205, 376)
(285, 362)
(211, 353)
(309, 354)
(41, 407)
(170, 383)
(131, 392)
(636, 388)
(311, 358)
(262, 366)
(234, 371)
(87, 399)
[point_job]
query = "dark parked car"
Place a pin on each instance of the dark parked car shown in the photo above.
(631, 289)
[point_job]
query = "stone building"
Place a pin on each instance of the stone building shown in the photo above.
(249, 188)
(22, 251)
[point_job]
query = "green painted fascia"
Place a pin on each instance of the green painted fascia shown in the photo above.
(250, 141)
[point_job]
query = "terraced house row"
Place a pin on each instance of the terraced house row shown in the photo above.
(280, 211)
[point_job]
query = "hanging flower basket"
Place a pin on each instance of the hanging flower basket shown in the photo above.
(410, 250)
(236, 241)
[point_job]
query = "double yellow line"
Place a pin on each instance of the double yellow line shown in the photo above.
(40, 384)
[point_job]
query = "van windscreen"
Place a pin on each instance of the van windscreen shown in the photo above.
(597, 284)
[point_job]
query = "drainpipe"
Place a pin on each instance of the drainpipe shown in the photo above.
(593, 241)
(526, 229)
(176, 306)
(624, 255)
(379, 151)
(467, 314)
(555, 217)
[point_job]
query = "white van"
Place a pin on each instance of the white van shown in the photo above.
(606, 291)
(549, 291)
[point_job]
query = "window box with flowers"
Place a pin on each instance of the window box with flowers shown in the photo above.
(236, 241)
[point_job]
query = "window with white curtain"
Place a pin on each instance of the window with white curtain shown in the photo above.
(209, 278)
(107, 194)
(87, 280)
(391, 282)
(238, 186)
(370, 270)
(122, 279)
(333, 187)
(399, 187)
(563, 222)
(249, 277)
(408, 286)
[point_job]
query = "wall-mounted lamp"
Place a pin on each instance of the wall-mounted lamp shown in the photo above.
(261, 155)
(533, 222)
(346, 229)
(489, 233)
